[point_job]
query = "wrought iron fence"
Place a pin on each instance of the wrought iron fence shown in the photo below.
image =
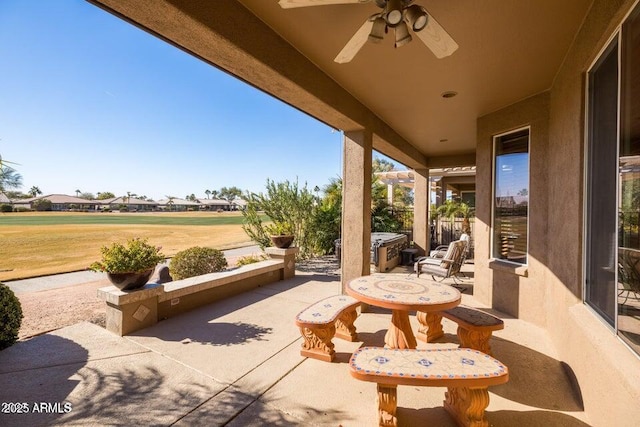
(405, 217)
(445, 231)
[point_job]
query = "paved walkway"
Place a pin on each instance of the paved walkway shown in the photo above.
(237, 363)
(43, 283)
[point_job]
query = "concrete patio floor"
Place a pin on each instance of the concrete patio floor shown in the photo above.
(237, 363)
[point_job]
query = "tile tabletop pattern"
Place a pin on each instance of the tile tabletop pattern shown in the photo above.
(404, 290)
(325, 310)
(427, 364)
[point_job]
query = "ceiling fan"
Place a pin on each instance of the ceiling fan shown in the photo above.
(399, 15)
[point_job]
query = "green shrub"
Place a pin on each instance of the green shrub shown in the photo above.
(21, 209)
(250, 259)
(137, 256)
(42, 205)
(195, 262)
(10, 317)
(326, 226)
(6, 208)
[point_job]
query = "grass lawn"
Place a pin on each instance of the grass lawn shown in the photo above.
(99, 218)
(39, 243)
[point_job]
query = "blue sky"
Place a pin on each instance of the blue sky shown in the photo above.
(89, 102)
(514, 174)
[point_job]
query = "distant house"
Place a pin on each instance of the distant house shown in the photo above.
(59, 202)
(4, 200)
(131, 204)
(238, 205)
(214, 204)
(175, 204)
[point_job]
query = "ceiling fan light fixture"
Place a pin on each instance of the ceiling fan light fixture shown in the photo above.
(417, 17)
(402, 35)
(378, 30)
(393, 13)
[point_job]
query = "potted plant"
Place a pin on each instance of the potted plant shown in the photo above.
(129, 266)
(281, 234)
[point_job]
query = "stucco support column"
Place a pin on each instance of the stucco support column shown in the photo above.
(356, 205)
(421, 237)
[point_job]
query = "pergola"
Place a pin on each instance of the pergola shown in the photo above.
(439, 181)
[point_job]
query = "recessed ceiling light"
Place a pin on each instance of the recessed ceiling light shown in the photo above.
(449, 94)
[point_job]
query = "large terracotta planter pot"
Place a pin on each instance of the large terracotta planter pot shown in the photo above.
(282, 241)
(130, 281)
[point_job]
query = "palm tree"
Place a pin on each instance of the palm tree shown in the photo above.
(170, 202)
(215, 194)
(78, 193)
(452, 209)
(9, 178)
(34, 191)
(207, 192)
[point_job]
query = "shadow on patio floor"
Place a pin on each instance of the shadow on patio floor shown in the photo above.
(531, 370)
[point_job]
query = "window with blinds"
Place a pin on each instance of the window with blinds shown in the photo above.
(511, 196)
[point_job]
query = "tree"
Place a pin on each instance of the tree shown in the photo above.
(401, 195)
(78, 193)
(127, 198)
(191, 197)
(9, 177)
(288, 207)
(230, 194)
(106, 195)
(207, 192)
(452, 209)
(170, 202)
(16, 195)
(42, 205)
(215, 194)
(88, 196)
(34, 191)
(333, 191)
(381, 165)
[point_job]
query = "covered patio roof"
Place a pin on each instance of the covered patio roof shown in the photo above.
(508, 51)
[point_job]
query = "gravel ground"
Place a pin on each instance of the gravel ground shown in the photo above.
(52, 309)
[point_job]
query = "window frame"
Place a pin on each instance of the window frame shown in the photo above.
(495, 138)
(616, 36)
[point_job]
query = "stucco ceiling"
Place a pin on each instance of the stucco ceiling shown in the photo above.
(509, 50)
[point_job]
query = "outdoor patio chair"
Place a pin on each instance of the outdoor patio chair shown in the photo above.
(628, 273)
(441, 250)
(446, 267)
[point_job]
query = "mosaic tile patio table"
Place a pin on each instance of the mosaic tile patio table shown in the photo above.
(402, 294)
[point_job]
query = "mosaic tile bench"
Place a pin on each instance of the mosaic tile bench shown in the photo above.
(474, 326)
(466, 373)
(322, 320)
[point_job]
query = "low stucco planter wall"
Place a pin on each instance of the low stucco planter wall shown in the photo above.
(128, 312)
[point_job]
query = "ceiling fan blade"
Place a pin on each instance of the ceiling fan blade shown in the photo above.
(288, 4)
(354, 45)
(437, 39)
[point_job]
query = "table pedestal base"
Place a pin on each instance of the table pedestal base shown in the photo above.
(430, 326)
(467, 405)
(400, 334)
